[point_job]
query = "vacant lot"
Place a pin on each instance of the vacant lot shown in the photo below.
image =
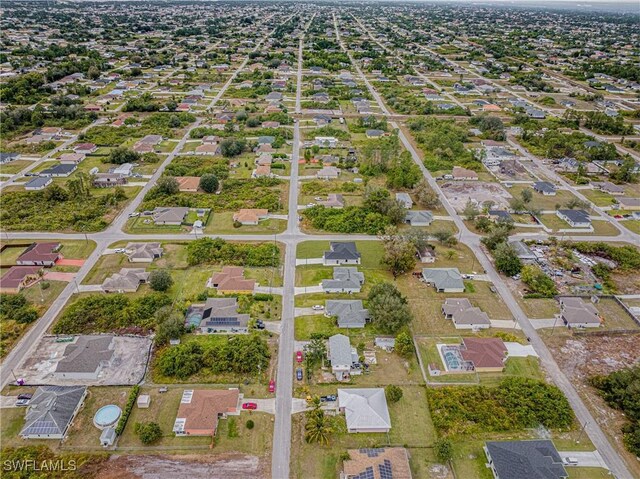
(459, 193)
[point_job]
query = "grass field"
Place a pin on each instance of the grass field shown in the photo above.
(371, 251)
(222, 223)
(410, 425)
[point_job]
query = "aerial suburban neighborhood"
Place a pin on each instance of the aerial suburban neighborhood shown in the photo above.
(320, 239)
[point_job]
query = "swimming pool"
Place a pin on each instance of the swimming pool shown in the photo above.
(107, 416)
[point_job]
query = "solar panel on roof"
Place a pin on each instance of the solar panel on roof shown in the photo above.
(366, 474)
(385, 470)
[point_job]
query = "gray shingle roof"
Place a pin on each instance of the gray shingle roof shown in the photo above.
(340, 350)
(86, 354)
(443, 278)
(350, 313)
(537, 459)
(342, 251)
(52, 409)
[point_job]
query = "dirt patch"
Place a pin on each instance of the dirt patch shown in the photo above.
(223, 466)
(459, 193)
(583, 357)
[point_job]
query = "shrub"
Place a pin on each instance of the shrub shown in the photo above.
(133, 395)
(250, 424)
(393, 393)
(444, 450)
(209, 183)
(160, 280)
(148, 432)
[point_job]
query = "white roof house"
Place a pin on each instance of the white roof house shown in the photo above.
(365, 409)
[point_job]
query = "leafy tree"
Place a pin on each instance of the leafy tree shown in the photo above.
(444, 450)
(232, 147)
(148, 432)
(507, 260)
(538, 282)
(399, 252)
(626, 173)
(576, 203)
(167, 185)
(389, 310)
(318, 426)
(425, 196)
(483, 224)
(174, 121)
(404, 345)
(160, 280)
(470, 210)
(181, 361)
(209, 183)
(55, 194)
(393, 393)
(499, 234)
(316, 350)
(526, 195)
(249, 424)
(445, 237)
(170, 325)
(121, 155)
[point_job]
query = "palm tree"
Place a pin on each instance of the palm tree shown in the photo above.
(317, 428)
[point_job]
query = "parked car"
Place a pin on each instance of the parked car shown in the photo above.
(330, 397)
(119, 250)
(250, 405)
(134, 215)
(618, 216)
(163, 389)
(25, 396)
(318, 307)
(22, 402)
(299, 374)
(299, 356)
(272, 386)
(259, 324)
(570, 461)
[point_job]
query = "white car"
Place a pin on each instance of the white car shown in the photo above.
(318, 198)
(134, 215)
(120, 250)
(311, 205)
(318, 307)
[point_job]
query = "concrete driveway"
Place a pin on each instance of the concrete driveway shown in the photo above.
(264, 405)
(302, 262)
(517, 350)
(307, 311)
(8, 401)
(307, 289)
(585, 458)
(273, 326)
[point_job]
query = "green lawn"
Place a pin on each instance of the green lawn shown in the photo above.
(599, 198)
(544, 202)
(410, 425)
(14, 167)
(222, 223)
(600, 227)
(538, 308)
(371, 251)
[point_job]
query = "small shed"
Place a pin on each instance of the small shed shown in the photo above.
(108, 437)
(144, 400)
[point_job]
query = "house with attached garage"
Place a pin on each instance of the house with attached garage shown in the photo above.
(107, 180)
(464, 315)
(545, 188)
(328, 173)
(404, 199)
(250, 216)
(8, 157)
(220, 315)
(418, 217)
(576, 218)
(342, 357)
(85, 357)
(345, 280)
(40, 254)
(608, 187)
(231, 281)
(51, 411)
(334, 200)
(365, 409)
(383, 463)
(60, 171)
(128, 280)
(143, 252)
(576, 313)
(169, 216)
(631, 204)
(444, 280)
(38, 183)
(201, 409)
(350, 313)
(519, 459)
(341, 253)
(19, 277)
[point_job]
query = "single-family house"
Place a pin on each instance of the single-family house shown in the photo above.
(576, 218)
(519, 459)
(341, 356)
(220, 315)
(38, 183)
(231, 280)
(85, 358)
(464, 315)
(8, 157)
(201, 409)
(627, 203)
(188, 184)
(85, 148)
(349, 313)
(485, 354)
(345, 280)
(169, 216)
(341, 253)
(40, 254)
(418, 217)
(426, 254)
(545, 188)
(74, 158)
(523, 251)
(326, 141)
(444, 280)
(404, 199)
(463, 174)
(60, 171)
(143, 252)
(51, 411)
(334, 200)
(374, 133)
(365, 409)
(378, 463)
(250, 216)
(107, 180)
(328, 173)
(576, 313)
(19, 277)
(608, 187)
(127, 280)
